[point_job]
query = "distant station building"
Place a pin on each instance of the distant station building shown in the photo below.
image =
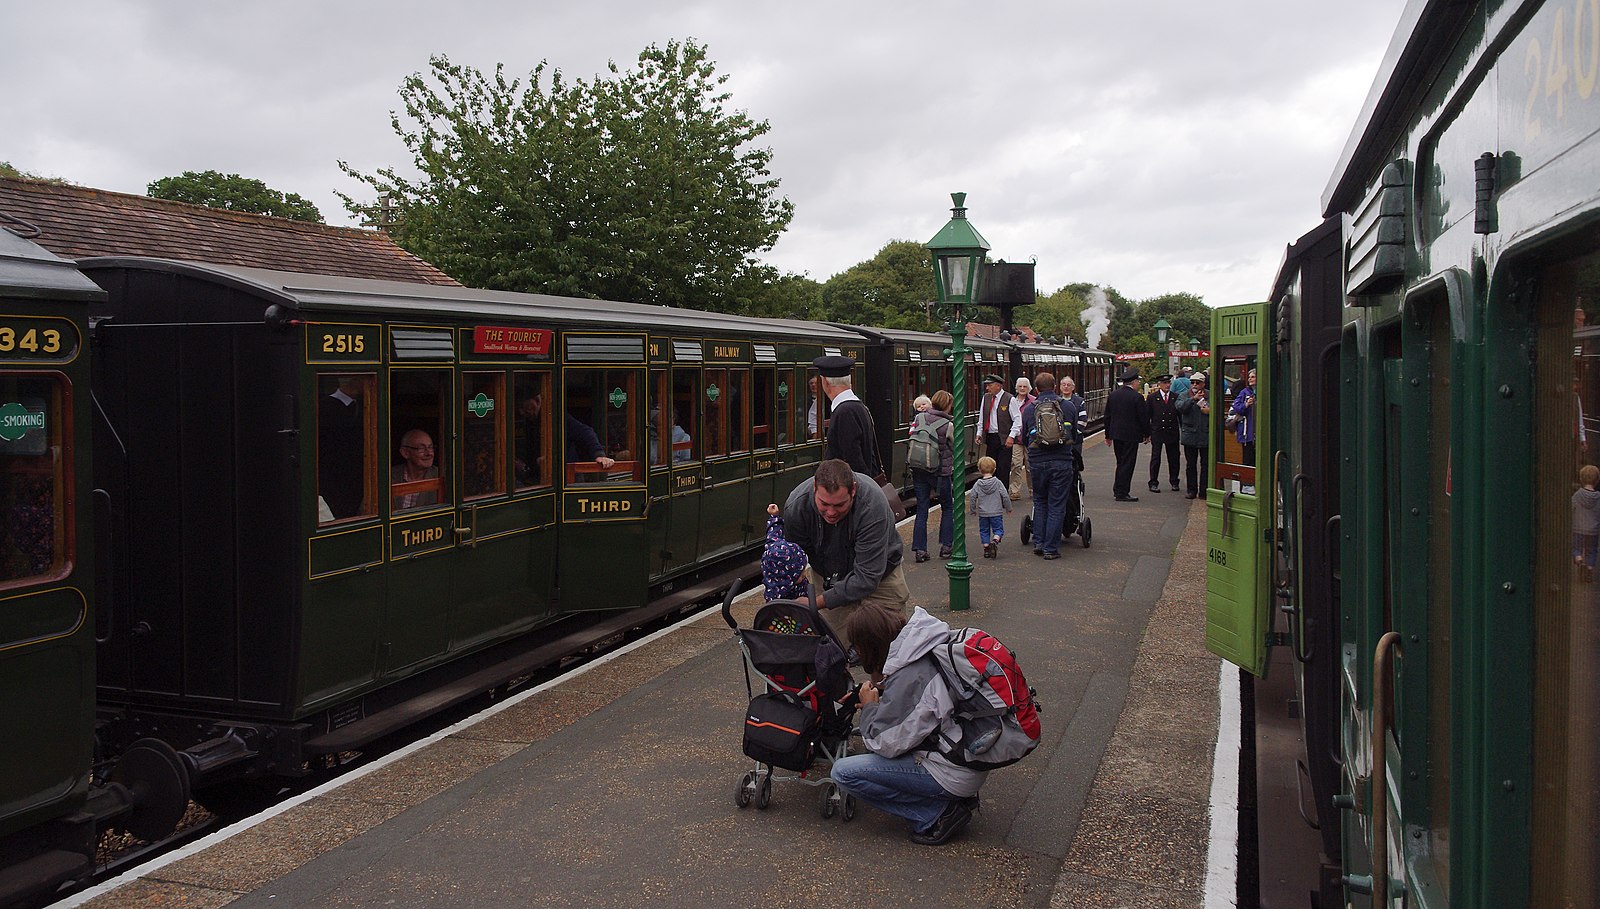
(77, 222)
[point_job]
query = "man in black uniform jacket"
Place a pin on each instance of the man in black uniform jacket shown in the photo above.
(1127, 425)
(852, 437)
(1163, 433)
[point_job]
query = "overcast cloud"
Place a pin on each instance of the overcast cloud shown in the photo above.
(1152, 146)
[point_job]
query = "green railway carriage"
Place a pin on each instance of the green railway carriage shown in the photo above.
(1432, 346)
(47, 578)
(336, 501)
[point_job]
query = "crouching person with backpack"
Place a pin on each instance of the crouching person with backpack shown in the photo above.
(901, 720)
(932, 460)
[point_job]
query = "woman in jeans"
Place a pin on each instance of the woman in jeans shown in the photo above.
(926, 482)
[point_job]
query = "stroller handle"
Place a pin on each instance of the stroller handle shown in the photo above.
(727, 604)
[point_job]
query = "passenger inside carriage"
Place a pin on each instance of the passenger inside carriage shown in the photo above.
(416, 464)
(582, 443)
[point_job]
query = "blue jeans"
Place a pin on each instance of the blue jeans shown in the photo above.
(991, 525)
(923, 480)
(899, 786)
(1052, 486)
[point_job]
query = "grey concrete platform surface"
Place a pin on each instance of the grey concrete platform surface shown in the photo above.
(615, 787)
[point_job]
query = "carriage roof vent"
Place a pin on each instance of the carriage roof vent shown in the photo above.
(422, 343)
(766, 353)
(686, 352)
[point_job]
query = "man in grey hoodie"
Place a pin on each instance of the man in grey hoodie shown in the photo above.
(899, 774)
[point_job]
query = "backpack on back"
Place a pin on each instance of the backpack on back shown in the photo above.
(996, 720)
(1049, 424)
(924, 451)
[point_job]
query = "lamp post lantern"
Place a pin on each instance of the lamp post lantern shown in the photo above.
(958, 252)
(1194, 345)
(1163, 337)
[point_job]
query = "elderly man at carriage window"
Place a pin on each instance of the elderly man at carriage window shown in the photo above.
(416, 463)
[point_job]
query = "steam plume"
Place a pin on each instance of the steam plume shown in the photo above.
(1096, 316)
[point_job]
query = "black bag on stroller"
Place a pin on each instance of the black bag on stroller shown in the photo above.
(780, 729)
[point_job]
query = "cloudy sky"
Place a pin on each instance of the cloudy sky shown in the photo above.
(1153, 146)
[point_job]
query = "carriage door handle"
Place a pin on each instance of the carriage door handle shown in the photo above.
(1227, 514)
(470, 531)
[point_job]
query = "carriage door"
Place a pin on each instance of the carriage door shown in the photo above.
(725, 502)
(602, 449)
(422, 518)
(1238, 617)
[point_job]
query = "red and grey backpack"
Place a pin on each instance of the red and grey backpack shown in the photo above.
(996, 720)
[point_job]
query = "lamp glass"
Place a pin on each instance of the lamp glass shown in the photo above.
(957, 271)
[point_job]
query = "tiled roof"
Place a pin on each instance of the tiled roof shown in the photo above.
(76, 222)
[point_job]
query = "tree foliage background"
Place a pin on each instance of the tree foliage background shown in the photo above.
(640, 185)
(214, 189)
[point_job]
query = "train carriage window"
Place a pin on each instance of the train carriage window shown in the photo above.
(660, 398)
(908, 391)
(483, 435)
(716, 407)
(685, 404)
(347, 447)
(788, 393)
(35, 479)
(602, 422)
(761, 404)
(816, 413)
(1566, 561)
(1236, 462)
(738, 410)
(419, 418)
(530, 465)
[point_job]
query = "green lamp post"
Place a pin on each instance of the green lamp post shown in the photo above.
(1163, 334)
(958, 252)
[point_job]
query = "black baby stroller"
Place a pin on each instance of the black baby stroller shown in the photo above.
(1077, 520)
(796, 719)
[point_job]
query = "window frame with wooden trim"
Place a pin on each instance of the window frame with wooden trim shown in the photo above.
(338, 385)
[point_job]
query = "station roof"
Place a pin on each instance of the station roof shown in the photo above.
(77, 222)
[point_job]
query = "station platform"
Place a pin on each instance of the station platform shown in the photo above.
(614, 786)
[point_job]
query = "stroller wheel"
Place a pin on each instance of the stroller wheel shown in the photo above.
(764, 794)
(830, 801)
(1086, 532)
(746, 791)
(847, 812)
(1027, 529)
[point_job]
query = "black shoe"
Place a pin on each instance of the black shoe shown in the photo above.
(1038, 552)
(922, 555)
(951, 822)
(1051, 555)
(1174, 485)
(1155, 487)
(944, 552)
(1190, 495)
(1127, 498)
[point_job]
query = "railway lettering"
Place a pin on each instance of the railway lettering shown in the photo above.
(410, 537)
(685, 481)
(23, 338)
(604, 506)
(1218, 556)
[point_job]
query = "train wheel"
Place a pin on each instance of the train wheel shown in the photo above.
(158, 785)
(746, 791)
(764, 794)
(830, 801)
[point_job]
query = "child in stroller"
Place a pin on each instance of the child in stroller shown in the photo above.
(806, 705)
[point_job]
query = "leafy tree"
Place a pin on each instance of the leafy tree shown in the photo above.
(890, 290)
(1057, 315)
(234, 193)
(1188, 315)
(640, 185)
